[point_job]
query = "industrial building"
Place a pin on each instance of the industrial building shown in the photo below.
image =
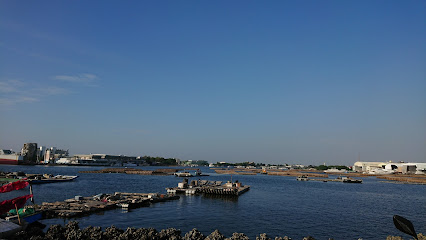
(389, 167)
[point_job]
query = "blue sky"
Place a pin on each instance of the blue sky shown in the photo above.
(266, 81)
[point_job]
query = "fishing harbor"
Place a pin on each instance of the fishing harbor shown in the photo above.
(80, 206)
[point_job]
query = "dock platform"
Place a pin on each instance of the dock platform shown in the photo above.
(80, 206)
(209, 187)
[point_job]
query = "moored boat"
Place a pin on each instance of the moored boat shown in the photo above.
(47, 178)
(10, 157)
(351, 180)
(302, 178)
(29, 214)
(183, 174)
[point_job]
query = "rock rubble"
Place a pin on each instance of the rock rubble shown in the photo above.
(72, 231)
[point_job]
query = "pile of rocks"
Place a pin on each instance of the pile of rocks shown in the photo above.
(72, 231)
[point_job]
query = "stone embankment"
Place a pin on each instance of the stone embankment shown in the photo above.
(72, 231)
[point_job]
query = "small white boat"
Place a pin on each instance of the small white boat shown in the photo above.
(335, 170)
(183, 174)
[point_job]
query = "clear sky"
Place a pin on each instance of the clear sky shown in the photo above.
(265, 81)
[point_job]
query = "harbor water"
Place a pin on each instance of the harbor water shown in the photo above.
(275, 205)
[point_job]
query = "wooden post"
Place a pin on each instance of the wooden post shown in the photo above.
(17, 213)
(31, 192)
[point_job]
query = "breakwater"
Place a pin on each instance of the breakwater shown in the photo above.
(72, 231)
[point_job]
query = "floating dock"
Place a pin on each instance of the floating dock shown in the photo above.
(209, 187)
(80, 206)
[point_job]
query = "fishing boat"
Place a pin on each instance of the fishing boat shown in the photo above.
(350, 180)
(197, 173)
(16, 210)
(183, 174)
(48, 178)
(29, 214)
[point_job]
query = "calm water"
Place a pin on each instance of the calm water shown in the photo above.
(278, 206)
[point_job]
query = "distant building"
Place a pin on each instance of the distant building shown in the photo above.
(40, 153)
(389, 167)
(368, 166)
(50, 155)
(29, 152)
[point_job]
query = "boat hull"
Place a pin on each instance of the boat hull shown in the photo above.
(52, 180)
(29, 218)
(11, 159)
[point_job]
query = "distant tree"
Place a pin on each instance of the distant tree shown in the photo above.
(159, 161)
(202, 163)
(322, 167)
